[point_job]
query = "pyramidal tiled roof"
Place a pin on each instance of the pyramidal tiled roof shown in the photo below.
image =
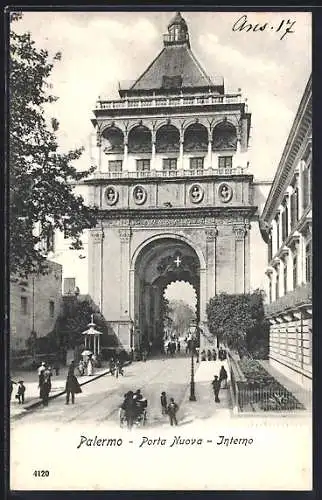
(174, 61)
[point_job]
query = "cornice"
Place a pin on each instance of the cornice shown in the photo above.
(99, 181)
(226, 212)
(301, 130)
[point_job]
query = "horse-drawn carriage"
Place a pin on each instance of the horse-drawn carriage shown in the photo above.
(133, 411)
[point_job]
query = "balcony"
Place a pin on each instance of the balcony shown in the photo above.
(301, 296)
(143, 174)
(173, 101)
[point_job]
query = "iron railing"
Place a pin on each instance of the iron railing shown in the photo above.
(262, 398)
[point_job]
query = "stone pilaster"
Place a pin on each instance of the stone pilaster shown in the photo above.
(211, 237)
(97, 262)
(125, 237)
(240, 233)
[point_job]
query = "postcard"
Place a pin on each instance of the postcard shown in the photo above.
(160, 216)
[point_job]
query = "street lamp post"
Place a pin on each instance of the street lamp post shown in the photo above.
(192, 374)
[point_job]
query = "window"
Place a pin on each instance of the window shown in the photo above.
(196, 163)
(225, 161)
(306, 183)
(308, 262)
(285, 223)
(294, 271)
(170, 164)
(270, 249)
(285, 278)
(277, 220)
(277, 286)
(294, 207)
(51, 308)
(24, 305)
(115, 166)
(142, 165)
(171, 82)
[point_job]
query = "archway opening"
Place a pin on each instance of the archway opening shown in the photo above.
(180, 299)
(160, 263)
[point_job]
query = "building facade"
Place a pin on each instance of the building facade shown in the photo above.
(175, 197)
(34, 306)
(286, 224)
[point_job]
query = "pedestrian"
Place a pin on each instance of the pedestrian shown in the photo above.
(164, 403)
(47, 375)
(209, 355)
(41, 370)
(172, 410)
(56, 367)
(72, 385)
(216, 388)
(203, 355)
(81, 367)
(45, 389)
(118, 368)
(223, 376)
(11, 384)
(21, 392)
(130, 408)
(214, 355)
(112, 365)
(178, 346)
(89, 367)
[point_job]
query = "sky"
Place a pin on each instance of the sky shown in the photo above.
(99, 49)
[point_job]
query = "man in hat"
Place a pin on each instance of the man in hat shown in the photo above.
(216, 388)
(21, 392)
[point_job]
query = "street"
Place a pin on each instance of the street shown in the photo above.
(101, 399)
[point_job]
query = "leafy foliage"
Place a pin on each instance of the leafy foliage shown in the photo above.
(41, 176)
(238, 321)
(74, 320)
(182, 314)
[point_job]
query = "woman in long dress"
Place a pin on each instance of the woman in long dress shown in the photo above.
(89, 367)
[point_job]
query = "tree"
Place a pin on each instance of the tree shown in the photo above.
(41, 177)
(238, 320)
(182, 314)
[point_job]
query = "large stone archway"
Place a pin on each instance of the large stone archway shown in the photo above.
(157, 264)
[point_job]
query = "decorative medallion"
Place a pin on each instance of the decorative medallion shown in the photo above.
(225, 193)
(196, 193)
(139, 195)
(111, 195)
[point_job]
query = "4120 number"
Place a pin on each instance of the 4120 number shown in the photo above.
(41, 473)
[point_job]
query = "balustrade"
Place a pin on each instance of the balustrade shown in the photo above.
(170, 173)
(170, 101)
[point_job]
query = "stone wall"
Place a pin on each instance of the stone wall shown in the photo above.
(30, 305)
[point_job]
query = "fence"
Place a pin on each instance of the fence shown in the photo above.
(261, 398)
(250, 396)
